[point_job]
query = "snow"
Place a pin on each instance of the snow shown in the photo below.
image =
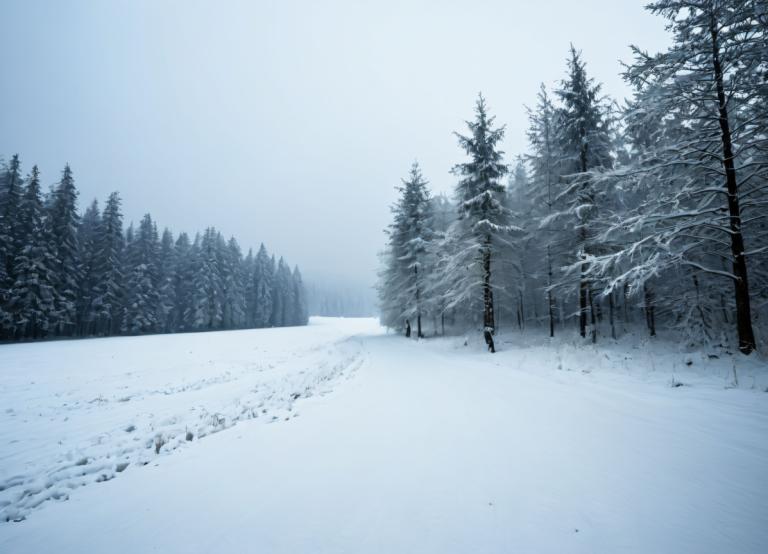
(75, 411)
(391, 446)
